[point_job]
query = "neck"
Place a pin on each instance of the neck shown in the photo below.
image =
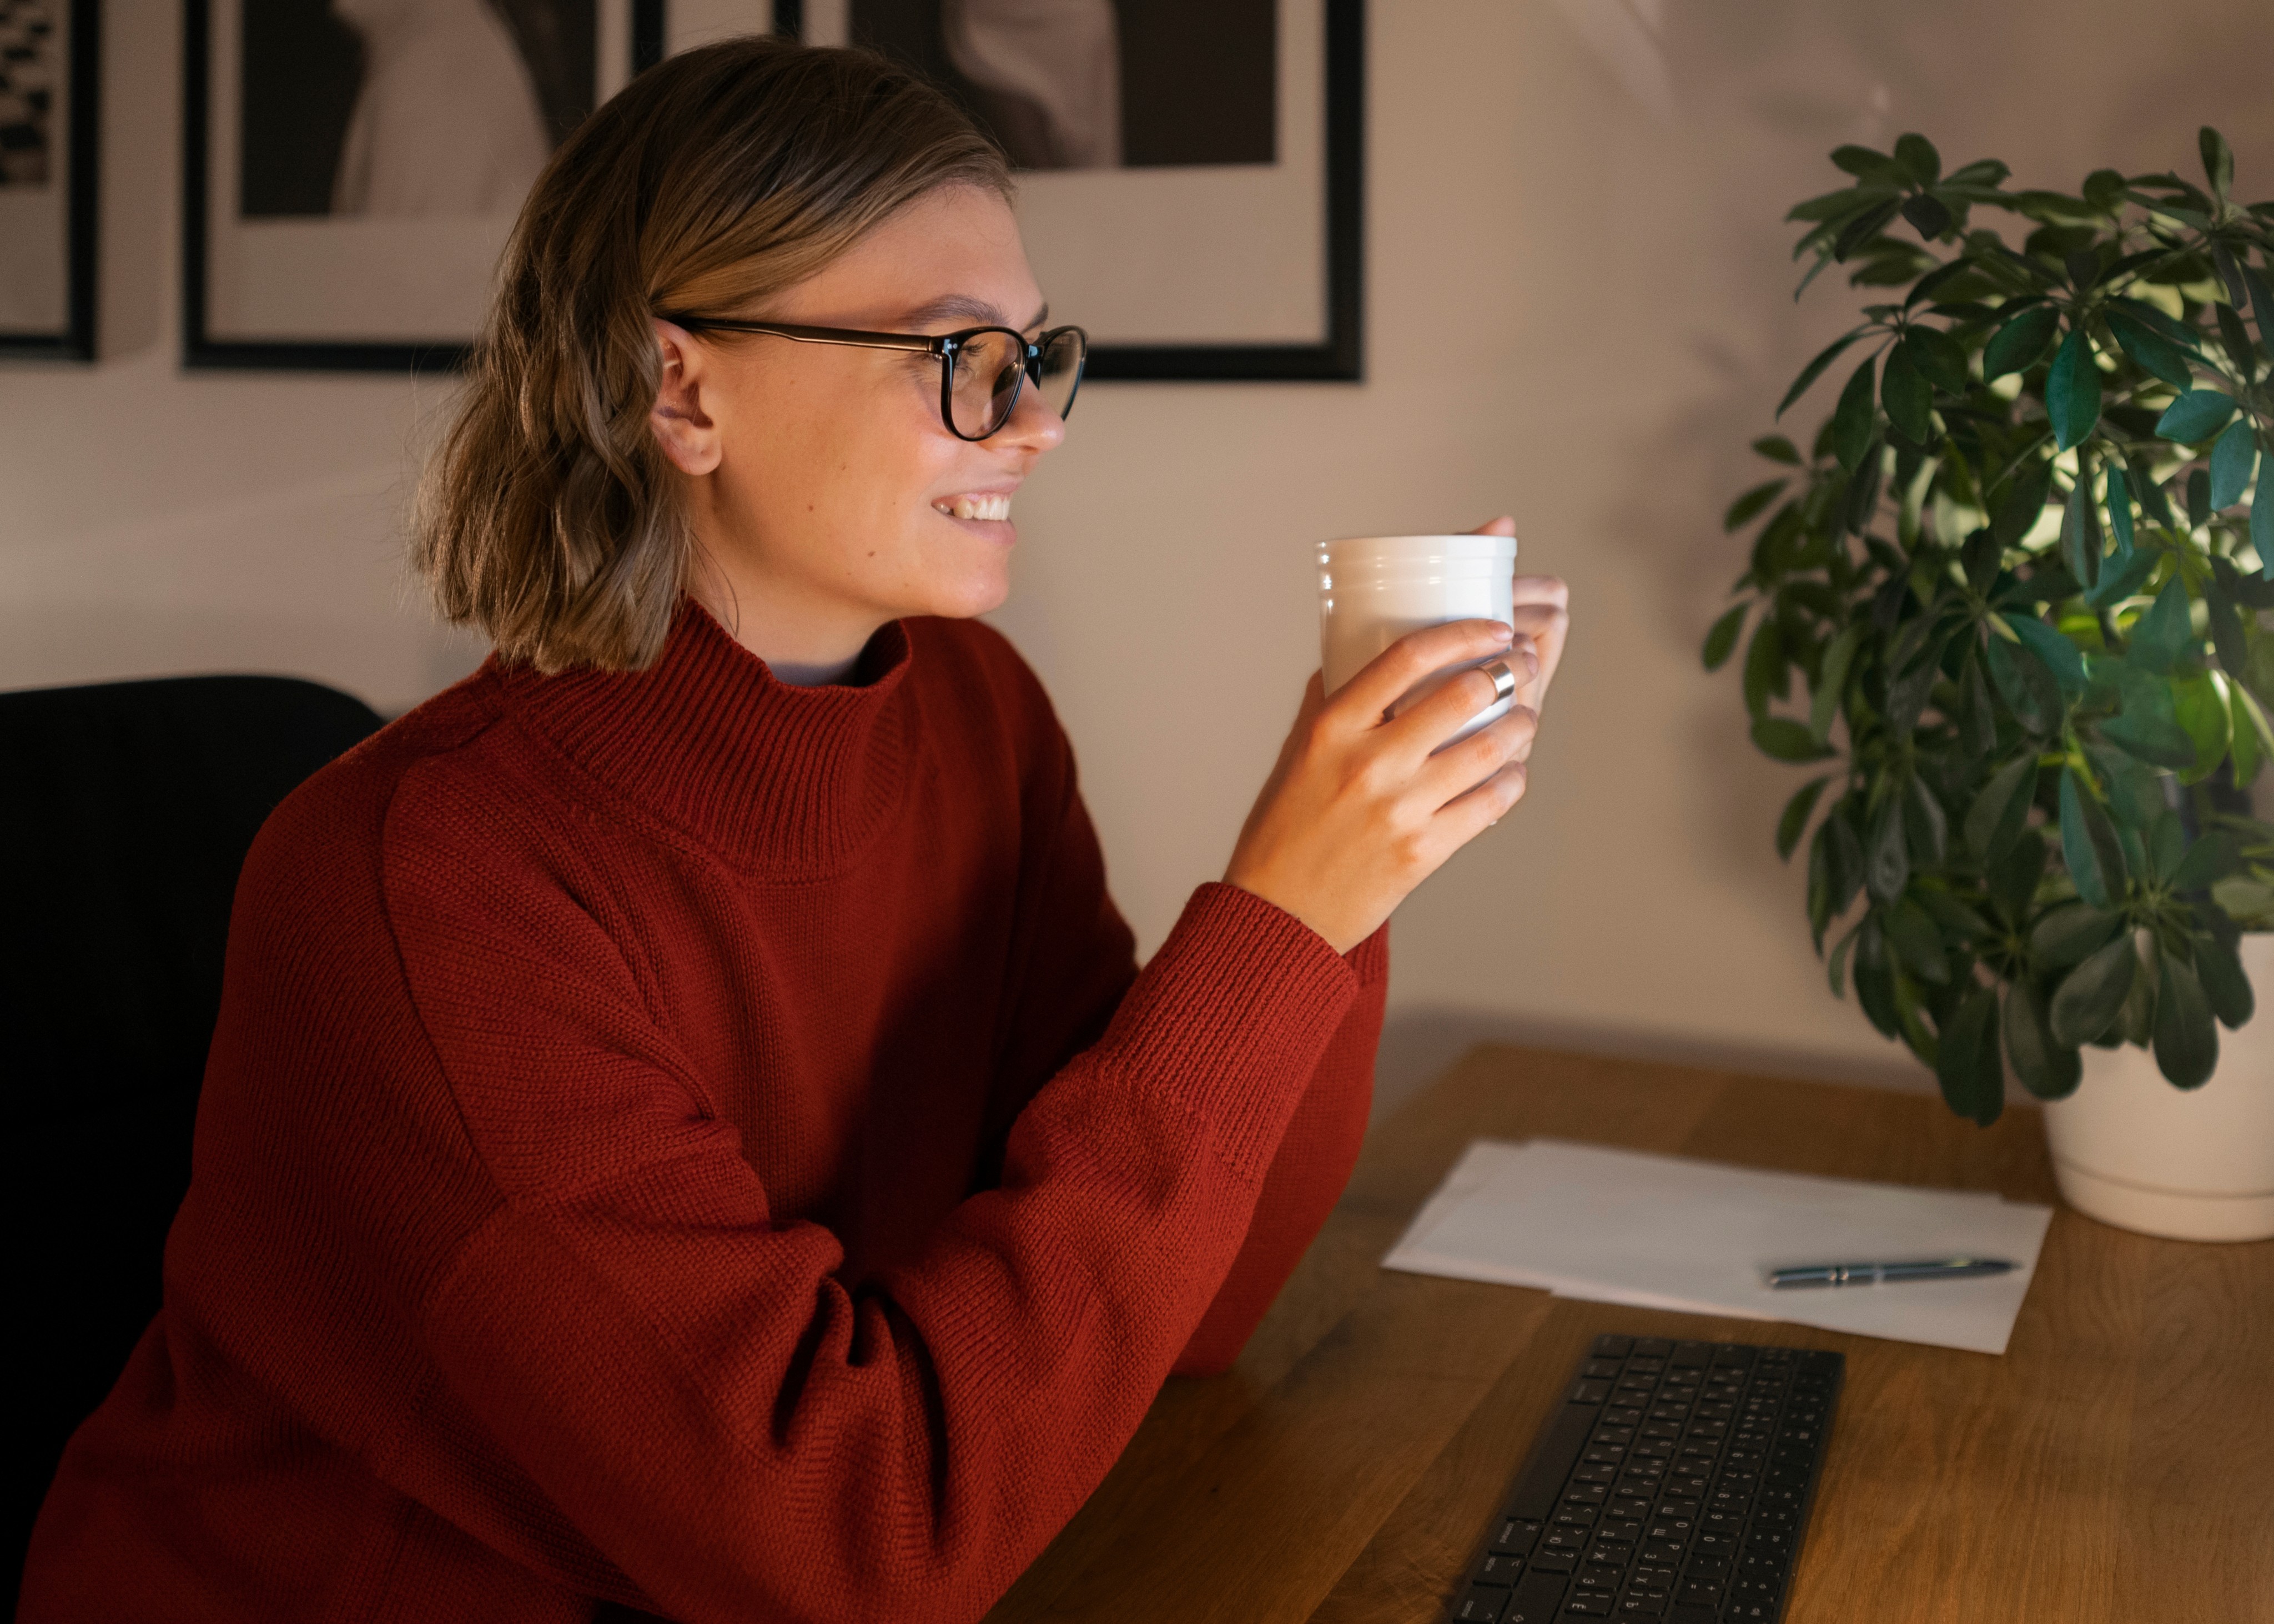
(805, 643)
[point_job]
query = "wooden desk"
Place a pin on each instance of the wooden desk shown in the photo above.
(2117, 1464)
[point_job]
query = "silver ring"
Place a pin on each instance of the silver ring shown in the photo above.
(1503, 680)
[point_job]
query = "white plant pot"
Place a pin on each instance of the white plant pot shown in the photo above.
(2196, 1165)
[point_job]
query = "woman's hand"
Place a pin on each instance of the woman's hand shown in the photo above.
(1358, 810)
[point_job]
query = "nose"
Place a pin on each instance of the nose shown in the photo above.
(1033, 426)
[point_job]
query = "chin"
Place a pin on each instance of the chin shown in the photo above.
(975, 594)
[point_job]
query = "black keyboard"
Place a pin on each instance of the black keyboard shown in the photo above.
(1673, 1485)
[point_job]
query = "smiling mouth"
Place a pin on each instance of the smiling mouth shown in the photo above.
(970, 506)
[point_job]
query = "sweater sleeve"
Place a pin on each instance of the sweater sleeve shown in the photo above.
(706, 1421)
(1075, 964)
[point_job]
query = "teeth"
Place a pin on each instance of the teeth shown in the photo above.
(976, 507)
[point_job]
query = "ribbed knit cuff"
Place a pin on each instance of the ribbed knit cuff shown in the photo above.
(1369, 961)
(1232, 1015)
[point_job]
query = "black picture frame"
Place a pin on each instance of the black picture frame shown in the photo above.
(1340, 356)
(75, 340)
(1337, 358)
(200, 349)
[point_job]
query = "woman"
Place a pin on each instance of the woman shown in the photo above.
(686, 1131)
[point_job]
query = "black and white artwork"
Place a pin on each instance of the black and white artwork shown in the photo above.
(1189, 187)
(1098, 84)
(357, 165)
(48, 124)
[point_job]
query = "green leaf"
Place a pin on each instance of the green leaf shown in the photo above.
(2015, 879)
(1835, 968)
(2225, 984)
(1749, 505)
(1852, 420)
(2167, 845)
(1795, 815)
(2029, 690)
(2151, 497)
(1985, 172)
(2016, 345)
(2047, 1069)
(2211, 859)
(2187, 1039)
(2001, 809)
(1814, 370)
(2261, 306)
(2231, 334)
(1723, 637)
(2226, 633)
(2165, 635)
(2090, 997)
(1832, 683)
(2081, 545)
(2155, 354)
(1787, 741)
(2261, 533)
(2060, 655)
(2194, 417)
(2148, 726)
(2119, 582)
(2249, 755)
(2198, 499)
(2118, 497)
(1777, 449)
(1875, 986)
(1866, 164)
(2234, 459)
(1764, 666)
(2073, 391)
(2217, 161)
(1916, 941)
(2202, 715)
(1926, 827)
(1930, 215)
(1917, 154)
(1908, 396)
(1863, 228)
(2071, 934)
(1941, 358)
(1977, 710)
(2089, 845)
(1966, 1064)
(1886, 859)
(2025, 501)
(2136, 792)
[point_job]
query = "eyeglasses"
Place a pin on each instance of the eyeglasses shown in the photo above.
(981, 369)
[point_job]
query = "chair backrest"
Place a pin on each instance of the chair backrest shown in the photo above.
(125, 812)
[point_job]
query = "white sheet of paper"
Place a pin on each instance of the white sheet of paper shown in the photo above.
(1620, 1226)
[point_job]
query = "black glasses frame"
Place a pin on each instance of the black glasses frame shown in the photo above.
(945, 347)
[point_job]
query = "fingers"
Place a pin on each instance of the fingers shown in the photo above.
(1452, 705)
(1467, 815)
(1460, 767)
(1386, 679)
(1505, 525)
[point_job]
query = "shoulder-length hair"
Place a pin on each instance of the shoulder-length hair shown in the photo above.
(549, 517)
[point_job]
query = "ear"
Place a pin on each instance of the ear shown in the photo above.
(685, 432)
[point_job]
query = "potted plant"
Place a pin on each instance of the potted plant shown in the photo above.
(2011, 600)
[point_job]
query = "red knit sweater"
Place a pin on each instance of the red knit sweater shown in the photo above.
(677, 1139)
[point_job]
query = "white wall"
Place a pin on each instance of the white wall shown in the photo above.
(1578, 312)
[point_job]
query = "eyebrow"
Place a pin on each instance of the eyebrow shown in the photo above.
(963, 306)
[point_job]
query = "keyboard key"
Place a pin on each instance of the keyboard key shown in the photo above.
(1516, 1536)
(1622, 1415)
(1551, 1459)
(1614, 1347)
(1605, 1472)
(1481, 1605)
(1666, 1552)
(1599, 1576)
(1498, 1570)
(1535, 1599)
(1639, 1607)
(1587, 1605)
(1699, 1353)
(1587, 1494)
(1652, 1347)
(1609, 1434)
(1552, 1560)
(1702, 1592)
(1610, 1554)
(1625, 1532)
(1564, 1540)
(1586, 1392)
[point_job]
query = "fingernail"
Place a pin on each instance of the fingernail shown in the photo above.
(1501, 629)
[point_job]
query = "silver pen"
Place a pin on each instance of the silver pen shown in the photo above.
(1874, 1274)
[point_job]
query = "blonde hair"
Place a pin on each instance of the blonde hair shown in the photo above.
(549, 516)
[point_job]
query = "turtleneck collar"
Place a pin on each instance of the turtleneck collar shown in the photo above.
(786, 780)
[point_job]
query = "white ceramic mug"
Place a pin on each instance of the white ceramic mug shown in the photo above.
(1372, 590)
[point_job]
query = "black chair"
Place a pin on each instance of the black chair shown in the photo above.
(125, 813)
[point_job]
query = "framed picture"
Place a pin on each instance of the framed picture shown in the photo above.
(1191, 186)
(50, 80)
(351, 168)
